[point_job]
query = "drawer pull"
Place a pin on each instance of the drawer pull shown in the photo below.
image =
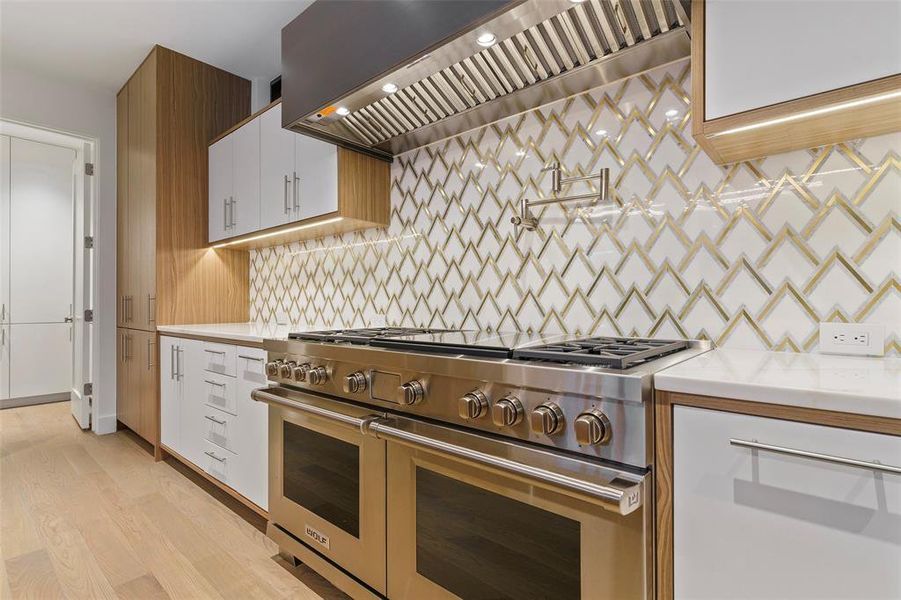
(216, 383)
(214, 351)
(253, 358)
(214, 420)
(214, 457)
(838, 460)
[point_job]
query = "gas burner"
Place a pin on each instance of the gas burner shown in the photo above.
(362, 336)
(610, 352)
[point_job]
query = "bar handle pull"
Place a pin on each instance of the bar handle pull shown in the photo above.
(836, 460)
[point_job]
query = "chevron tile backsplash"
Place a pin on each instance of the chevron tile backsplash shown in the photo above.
(748, 255)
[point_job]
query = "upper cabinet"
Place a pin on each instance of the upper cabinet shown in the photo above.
(289, 186)
(770, 77)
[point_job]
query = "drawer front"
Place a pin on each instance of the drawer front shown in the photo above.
(221, 428)
(219, 358)
(219, 463)
(220, 391)
(777, 525)
(251, 366)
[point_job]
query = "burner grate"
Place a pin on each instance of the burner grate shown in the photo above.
(612, 352)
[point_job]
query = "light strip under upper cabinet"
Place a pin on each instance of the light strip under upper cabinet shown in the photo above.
(279, 232)
(810, 113)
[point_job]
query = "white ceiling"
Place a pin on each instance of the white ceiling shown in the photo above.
(102, 43)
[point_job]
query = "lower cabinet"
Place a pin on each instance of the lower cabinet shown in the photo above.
(755, 522)
(208, 417)
(136, 382)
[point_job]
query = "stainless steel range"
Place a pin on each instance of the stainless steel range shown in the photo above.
(422, 463)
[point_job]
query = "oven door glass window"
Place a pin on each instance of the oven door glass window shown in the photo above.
(322, 474)
(483, 546)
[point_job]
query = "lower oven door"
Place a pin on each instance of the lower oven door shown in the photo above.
(476, 518)
(327, 480)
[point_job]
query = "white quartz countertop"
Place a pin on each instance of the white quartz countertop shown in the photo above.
(239, 332)
(862, 385)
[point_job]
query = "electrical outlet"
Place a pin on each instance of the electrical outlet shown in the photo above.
(852, 338)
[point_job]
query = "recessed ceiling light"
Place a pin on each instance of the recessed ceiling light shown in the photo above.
(343, 111)
(487, 39)
(389, 88)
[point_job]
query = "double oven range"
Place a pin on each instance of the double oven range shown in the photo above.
(429, 464)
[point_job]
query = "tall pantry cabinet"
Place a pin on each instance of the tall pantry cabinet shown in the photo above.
(167, 113)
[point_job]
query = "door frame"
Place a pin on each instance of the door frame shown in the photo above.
(84, 211)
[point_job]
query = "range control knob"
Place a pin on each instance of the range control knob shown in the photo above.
(546, 418)
(412, 392)
(506, 412)
(272, 368)
(317, 375)
(285, 369)
(300, 372)
(355, 382)
(592, 428)
(472, 405)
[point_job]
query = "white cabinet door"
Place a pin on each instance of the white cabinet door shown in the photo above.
(40, 361)
(170, 393)
(244, 211)
(4, 228)
(190, 414)
(316, 186)
(276, 170)
(4, 361)
(808, 48)
(220, 188)
(756, 524)
(252, 441)
(41, 196)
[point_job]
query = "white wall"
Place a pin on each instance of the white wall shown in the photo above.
(89, 112)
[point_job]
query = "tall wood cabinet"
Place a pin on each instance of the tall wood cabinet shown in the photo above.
(166, 114)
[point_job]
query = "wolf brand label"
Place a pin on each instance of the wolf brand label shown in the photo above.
(317, 536)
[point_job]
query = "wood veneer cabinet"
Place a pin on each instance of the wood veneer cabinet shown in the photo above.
(166, 113)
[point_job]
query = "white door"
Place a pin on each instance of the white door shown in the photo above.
(82, 328)
(4, 267)
(316, 183)
(276, 169)
(40, 361)
(244, 211)
(220, 189)
(193, 391)
(41, 231)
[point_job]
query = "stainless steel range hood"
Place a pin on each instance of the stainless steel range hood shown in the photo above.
(343, 54)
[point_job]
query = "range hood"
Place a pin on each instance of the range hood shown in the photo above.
(387, 76)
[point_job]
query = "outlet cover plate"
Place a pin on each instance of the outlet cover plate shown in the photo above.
(859, 339)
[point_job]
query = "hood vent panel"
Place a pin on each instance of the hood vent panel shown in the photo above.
(582, 40)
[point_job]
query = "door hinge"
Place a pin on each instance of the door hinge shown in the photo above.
(89, 315)
(88, 389)
(89, 241)
(89, 168)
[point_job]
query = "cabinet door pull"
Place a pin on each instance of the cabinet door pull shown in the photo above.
(253, 358)
(213, 456)
(150, 345)
(151, 309)
(287, 208)
(173, 362)
(838, 460)
(214, 351)
(179, 374)
(216, 383)
(232, 203)
(296, 192)
(214, 420)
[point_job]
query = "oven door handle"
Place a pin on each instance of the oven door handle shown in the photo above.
(261, 395)
(620, 495)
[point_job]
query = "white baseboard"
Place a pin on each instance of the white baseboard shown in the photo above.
(104, 424)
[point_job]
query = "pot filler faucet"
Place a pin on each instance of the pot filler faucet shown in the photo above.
(529, 221)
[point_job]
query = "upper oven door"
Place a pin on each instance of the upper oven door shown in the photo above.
(476, 518)
(327, 479)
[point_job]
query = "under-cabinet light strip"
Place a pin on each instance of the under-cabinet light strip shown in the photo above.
(279, 232)
(811, 113)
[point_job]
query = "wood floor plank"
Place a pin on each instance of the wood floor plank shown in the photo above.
(88, 516)
(31, 576)
(145, 587)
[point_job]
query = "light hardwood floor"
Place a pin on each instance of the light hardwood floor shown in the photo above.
(85, 516)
